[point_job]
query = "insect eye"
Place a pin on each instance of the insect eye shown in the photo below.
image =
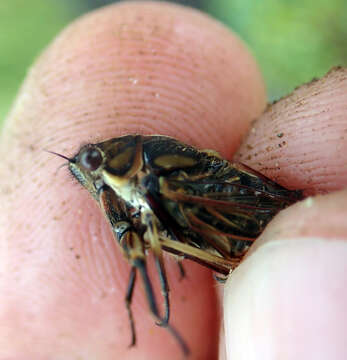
(90, 159)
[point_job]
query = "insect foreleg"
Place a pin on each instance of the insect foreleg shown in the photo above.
(133, 247)
(140, 264)
(164, 290)
(152, 233)
(128, 299)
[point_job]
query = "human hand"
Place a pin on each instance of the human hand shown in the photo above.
(156, 68)
(287, 299)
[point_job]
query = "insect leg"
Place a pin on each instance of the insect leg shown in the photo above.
(152, 233)
(132, 246)
(128, 299)
(181, 270)
(217, 263)
(140, 264)
(164, 290)
(131, 243)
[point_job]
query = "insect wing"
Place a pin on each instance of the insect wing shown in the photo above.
(226, 214)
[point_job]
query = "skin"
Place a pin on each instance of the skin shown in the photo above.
(128, 69)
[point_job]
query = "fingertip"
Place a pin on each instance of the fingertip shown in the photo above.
(286, 301)
(300, 140)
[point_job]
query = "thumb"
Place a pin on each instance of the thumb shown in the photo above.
(287, 299)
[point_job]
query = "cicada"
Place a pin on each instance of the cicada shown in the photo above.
(159, 194)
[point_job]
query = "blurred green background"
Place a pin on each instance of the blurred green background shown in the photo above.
(293, 41)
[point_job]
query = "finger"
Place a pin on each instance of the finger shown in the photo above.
(301, 140)
(287, 298)
(130, 68)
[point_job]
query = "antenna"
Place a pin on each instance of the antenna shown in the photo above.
(60, 155)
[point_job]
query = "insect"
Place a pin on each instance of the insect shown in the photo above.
(159, 194)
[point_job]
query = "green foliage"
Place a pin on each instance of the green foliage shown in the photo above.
(293, 41)
(25, 29)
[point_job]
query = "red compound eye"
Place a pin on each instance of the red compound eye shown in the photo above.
(90, 159)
